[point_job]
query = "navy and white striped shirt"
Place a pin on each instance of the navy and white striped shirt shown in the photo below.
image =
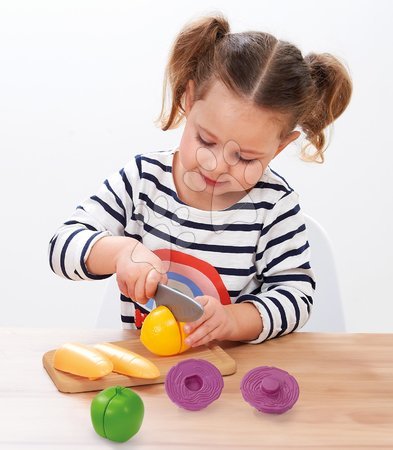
(258, 246)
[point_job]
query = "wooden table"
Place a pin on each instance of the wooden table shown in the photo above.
(346, 398)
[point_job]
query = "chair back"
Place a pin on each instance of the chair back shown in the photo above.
(327, 313)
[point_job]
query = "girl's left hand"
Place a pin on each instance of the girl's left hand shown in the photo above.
(217, 322)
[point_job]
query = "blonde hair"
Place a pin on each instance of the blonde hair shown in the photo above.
(311, 92)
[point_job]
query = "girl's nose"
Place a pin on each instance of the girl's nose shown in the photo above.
(227, 158)
(218, 161)
(221, 163)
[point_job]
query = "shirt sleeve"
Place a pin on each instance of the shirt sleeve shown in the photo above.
(103, 214)
(284, 299)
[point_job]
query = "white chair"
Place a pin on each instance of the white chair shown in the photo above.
(109, 315)
(327, 314)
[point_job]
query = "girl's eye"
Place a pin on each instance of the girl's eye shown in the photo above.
(245, 161)
(208, 144)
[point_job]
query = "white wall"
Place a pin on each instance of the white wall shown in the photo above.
(80, 86)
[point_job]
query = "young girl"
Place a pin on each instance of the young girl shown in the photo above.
(211, 214)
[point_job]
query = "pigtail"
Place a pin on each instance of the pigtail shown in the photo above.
(332, 93)
(310, 92)
(191, 58)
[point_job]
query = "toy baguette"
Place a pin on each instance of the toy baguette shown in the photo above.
(82, 360)
(127, 362)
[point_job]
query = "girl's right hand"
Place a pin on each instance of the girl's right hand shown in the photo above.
(138, 272)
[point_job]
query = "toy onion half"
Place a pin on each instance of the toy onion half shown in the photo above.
(269, 389)
(193, 384)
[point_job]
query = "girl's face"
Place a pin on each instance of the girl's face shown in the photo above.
(225, 148)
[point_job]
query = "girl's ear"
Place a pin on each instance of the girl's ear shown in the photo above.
(189, 96)
(286, 141)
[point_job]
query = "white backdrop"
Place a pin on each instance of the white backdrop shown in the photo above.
(80, 87)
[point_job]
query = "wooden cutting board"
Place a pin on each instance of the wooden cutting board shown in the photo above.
(66, 382)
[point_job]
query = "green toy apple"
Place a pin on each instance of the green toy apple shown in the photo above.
(117, 413)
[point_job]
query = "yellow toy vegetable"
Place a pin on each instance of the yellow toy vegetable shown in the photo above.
(127, 362)
(82, 360)
(162, 334)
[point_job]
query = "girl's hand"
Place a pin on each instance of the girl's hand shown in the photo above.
(138, 272)
(217, 322)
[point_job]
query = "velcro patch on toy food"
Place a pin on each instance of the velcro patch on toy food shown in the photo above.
(117, 413)
(194, 384)
(269, 389)
(162, 334)
(127, 362)
(82, 360)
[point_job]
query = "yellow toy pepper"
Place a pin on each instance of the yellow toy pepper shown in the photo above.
(162, 334)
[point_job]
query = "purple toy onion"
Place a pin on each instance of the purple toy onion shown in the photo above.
(269, 389)
(193, 384)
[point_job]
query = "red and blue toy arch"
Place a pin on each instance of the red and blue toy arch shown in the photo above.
(193, 276)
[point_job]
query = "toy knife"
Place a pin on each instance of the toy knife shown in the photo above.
(183, 307)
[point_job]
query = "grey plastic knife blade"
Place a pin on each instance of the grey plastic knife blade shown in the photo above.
(183, 307)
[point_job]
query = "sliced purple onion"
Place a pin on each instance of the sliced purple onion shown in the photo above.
(193, 384)
(269, 389)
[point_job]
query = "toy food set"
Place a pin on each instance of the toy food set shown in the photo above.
(117, 413)
(82, 360)
(127, 362)
(162, 334)
(269, 389)
(193, 377)
(193, 384)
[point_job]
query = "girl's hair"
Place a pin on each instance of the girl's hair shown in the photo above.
(311, 92)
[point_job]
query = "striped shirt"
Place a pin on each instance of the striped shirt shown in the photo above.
(258, 246)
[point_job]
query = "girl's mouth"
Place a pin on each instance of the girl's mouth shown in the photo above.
(210, 182)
